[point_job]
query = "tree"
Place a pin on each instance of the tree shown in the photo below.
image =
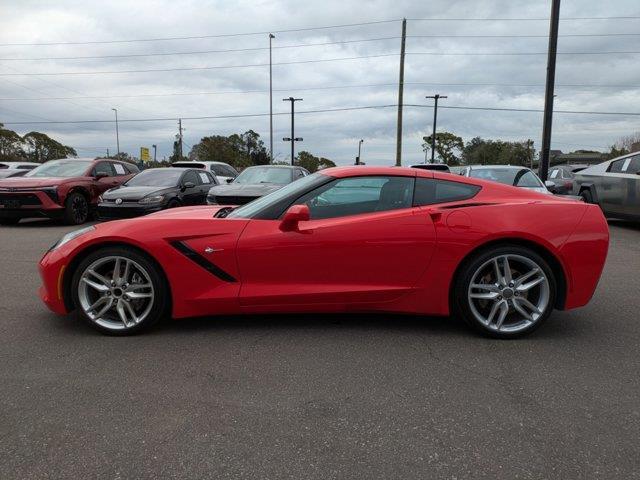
(240, 150)
(311, 162)
(624, 145)
(447, 144)
(11, 145)
(498, 152)
(42, 148)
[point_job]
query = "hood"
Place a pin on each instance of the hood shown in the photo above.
(244, 190)
(32, 182)
(134, 193)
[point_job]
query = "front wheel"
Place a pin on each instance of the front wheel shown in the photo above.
(505, 292)
(76, 209)
(119, 291)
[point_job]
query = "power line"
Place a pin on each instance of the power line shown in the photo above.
(509, 54)
(200, 37)
(526, 36)
(182, 69)
(200, 52)
(329, 110)
(520, 19)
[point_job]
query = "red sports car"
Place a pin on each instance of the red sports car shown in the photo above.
(353, 239)
(68, 189)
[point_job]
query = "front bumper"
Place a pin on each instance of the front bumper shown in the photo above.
(111, 211)
(28, 204)
(52, 270)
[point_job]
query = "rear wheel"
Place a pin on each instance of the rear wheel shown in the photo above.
(173, 203)
(505, 292)
(76, 209)
(119, 291)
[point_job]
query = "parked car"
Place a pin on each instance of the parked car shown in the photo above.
(154, 190)
(614, 185)
(516, 176)
(441, 167)
(412, 241)
(223, 171)
(65, 189)
(254, 182)
(16, 169)
(561, 176)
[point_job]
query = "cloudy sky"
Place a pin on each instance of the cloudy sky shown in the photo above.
(494, 64)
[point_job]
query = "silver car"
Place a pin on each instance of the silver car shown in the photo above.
(508, 174)
(614, 185)
(16, 169)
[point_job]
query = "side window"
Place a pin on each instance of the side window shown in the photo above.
(131, 168)
(120, 169)
(206, 178)
(634, 165)
(298, 174)
(219, 170)
(620, 166)
(104, 168)
(230, 171)
(527, 179)
(555, 173)
(430, 191)
(191, 176)
(357, 195)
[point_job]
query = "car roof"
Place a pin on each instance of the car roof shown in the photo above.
(503, 167)
(360, 170)
(275, 166)
(202, 162)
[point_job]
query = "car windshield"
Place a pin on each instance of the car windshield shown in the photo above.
(281, 176)
(61, 168)
(294, 190)
(160, 177)
(519, 177)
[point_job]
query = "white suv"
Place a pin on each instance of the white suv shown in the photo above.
(223, 171)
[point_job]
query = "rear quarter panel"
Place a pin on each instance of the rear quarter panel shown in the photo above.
(549, 224)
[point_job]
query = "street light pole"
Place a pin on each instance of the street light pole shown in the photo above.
(359, 150)
(117, 134)
(293, 138)
(271, 37)
(155, 148)
(435, 119)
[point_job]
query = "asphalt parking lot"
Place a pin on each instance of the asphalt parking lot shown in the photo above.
(318, 397)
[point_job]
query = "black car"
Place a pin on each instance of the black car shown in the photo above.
(254, 182)
(562, 178)
(156, 189)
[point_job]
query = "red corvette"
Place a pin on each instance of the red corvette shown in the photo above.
(353, 239)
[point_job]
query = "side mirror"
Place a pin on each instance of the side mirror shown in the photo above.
(293, 216)
(229, 180)
(101, 175)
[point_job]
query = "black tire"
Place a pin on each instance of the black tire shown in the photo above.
(9, 221)
(587, 196)
(76, 209)
(462, 303)
(161, 304)
(174, 203)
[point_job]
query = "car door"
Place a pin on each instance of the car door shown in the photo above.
(364, 243)
(192, 193)
(106, 177)
(207, 180)
(122, 173)
(616, 185)
(630, 189)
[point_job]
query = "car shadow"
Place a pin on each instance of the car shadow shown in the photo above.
(627, 224)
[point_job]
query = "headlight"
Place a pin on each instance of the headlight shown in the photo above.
(154, 199)
(71, 235)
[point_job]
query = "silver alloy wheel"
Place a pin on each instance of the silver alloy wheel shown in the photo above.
(116, 292)
(509, 293)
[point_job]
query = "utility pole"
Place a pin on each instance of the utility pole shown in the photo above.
(180, 139)
(107, 153)
(155, 148)
(530, 153)
(435, 119)
(359, 150)
(400, 94)
(543, 168)
(271, 37)
(293, 138)
(117, 134)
